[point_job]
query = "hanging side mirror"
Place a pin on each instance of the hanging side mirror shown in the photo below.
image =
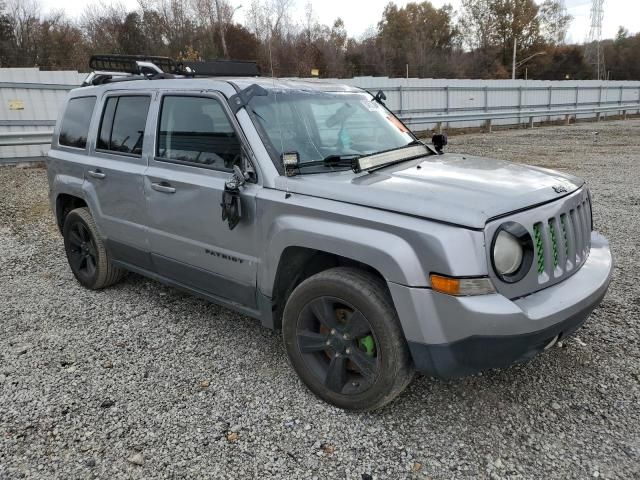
(239, 176)
(231, 202)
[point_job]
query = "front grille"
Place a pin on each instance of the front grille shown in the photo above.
(562, 242)
(561, 234)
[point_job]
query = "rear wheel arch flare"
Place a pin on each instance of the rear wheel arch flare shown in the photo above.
(65, 203)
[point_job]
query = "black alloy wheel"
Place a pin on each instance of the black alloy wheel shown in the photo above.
(86, 252)
(338, 345)
(344, 340)
(83, 255)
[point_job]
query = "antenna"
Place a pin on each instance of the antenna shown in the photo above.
(593, 48)
(271, 58)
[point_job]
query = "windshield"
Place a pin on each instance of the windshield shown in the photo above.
(322, 124)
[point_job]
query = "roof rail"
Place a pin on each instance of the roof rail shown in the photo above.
(113, 67)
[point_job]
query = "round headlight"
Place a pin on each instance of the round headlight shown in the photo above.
(512, 252)
(507, 253)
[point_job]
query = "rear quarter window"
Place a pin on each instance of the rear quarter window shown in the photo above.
(75, 122)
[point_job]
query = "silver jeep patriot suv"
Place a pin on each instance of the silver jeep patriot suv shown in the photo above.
(312, 208)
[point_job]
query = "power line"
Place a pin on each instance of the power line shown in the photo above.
(593, 48)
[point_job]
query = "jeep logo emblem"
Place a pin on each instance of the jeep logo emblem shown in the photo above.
(559, 188)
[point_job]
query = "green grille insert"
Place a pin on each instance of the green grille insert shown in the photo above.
(563, 221)
(537, 238)
(554, 242)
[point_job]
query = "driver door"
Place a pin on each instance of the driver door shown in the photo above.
(197, 144)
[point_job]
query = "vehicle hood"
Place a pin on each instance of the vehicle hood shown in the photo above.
(459, 189)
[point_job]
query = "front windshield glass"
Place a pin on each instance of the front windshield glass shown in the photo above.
(322, 124)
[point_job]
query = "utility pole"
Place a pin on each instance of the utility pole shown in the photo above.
(593, 47)
(513, 65)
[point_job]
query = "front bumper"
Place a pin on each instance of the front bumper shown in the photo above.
(455, 336)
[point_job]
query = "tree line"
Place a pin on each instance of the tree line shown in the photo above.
(419, 39)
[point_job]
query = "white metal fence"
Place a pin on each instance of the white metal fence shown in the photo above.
(30, 100)
(425, 103)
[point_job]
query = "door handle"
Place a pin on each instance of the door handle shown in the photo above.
(97, 174)
(163, 187)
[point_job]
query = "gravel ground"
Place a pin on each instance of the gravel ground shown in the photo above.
(141, 381)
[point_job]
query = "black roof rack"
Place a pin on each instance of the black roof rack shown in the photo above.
(130, 63)
(111, 68)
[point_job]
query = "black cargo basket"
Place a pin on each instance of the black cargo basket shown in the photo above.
(127, 63)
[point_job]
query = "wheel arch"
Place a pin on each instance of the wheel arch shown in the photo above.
(69, 191)
(66, 202)
(298, 263)
(386, 253)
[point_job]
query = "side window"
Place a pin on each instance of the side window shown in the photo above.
(75, 122)
(196, 130)
(107, 123)
(123, 122)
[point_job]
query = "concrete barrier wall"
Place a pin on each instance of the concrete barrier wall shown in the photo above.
(29, 102)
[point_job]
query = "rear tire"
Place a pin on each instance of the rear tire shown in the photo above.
(87, 255)
(344, 339)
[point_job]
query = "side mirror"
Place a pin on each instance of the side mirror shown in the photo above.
(380, 97)
(231, 202)
(439, 141)
(239, 176)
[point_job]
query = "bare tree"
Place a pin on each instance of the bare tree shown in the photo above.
(270, 18)
(25, 20)
(270, 22)
(477, 24)
(176, 24)
(418, 34)
(216, 17)
(555, 21)
(102, 24)
(6, 37)
(221, 27)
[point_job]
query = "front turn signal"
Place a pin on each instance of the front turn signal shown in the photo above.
(462, 286)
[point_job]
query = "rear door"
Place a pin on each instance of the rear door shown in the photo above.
(116, 176)
(196, 146)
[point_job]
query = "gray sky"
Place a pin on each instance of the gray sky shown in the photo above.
(359, 16)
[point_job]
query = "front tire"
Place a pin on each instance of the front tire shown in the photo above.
(344, 339)
(86, 253)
